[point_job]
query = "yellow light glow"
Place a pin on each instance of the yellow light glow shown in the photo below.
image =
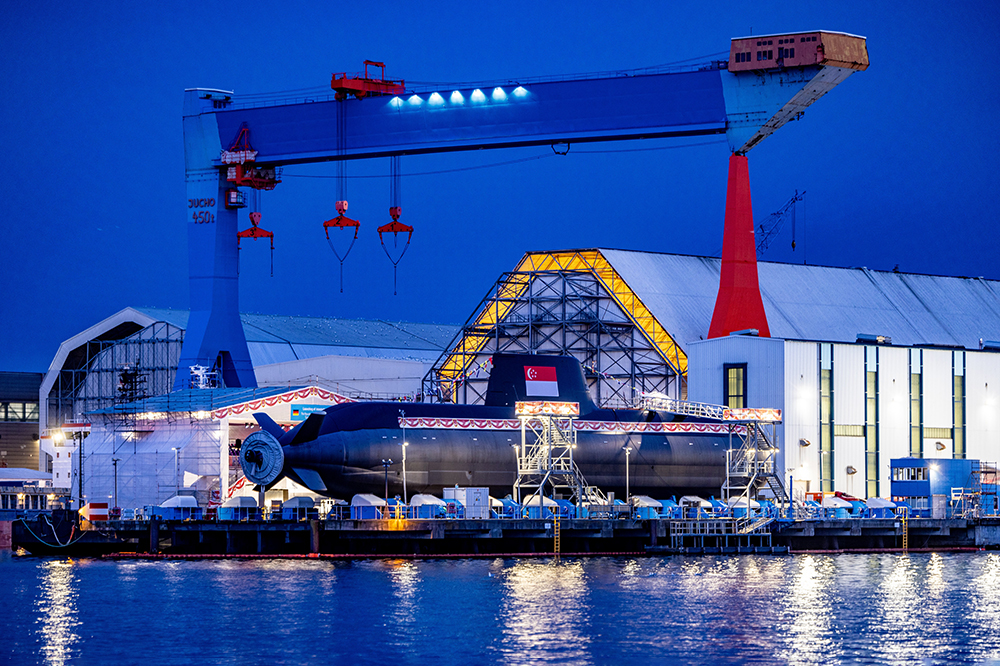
(462, 355)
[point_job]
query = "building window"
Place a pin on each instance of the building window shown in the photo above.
(958, 411)
(916, 404)
(826, 416)
(735, 385)
(791, 53)
(19, 411)
(871, 421)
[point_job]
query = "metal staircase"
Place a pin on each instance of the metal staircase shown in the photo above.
(750, 467)
(545, 465)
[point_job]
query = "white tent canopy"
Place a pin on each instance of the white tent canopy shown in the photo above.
(240, 502)
(185, 501)
(367, 499)
(298, 503)
(694, 500)
(540, 500)
(424, 500)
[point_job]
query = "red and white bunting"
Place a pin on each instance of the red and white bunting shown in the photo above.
(607, 426)
(460, 424)
(580, 426)
(302, 394)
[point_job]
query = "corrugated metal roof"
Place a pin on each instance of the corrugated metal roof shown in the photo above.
(279, 338)
(198, 400)
(20, 385)
(819, 302)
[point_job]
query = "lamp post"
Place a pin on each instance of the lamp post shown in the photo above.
(404, 445)
(177, 486)
(115, 461)
(385, 466)
(628, 452)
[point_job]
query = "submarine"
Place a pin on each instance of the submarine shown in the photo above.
(345, 449)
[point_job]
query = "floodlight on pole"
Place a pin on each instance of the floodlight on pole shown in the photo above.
(628, 452)
(404, 445)
(386, 462)
(115, 461)
(177, 485)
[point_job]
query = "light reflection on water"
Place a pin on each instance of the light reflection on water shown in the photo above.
(56, 612)
(547, 612)
(805, 609)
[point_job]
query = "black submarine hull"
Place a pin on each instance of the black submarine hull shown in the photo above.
(340, 453)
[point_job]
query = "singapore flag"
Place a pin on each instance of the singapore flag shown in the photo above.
(539, 381)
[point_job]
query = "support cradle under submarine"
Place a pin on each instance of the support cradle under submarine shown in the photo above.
(340, 452)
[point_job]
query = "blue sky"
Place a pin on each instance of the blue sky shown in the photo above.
(898, 162)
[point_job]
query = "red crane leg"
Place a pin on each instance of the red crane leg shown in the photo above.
(738, 305)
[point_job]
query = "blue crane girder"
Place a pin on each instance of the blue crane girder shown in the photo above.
(747, 106)
(660, 105)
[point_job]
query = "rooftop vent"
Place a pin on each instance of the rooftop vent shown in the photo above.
(989, 345)
(747, 331)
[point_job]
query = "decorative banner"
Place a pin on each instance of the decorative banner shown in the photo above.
(541, 381)
(302, 394)
(581, 426)
(239, 485)
(302, 412)
(547, 408)
(607, 426)
(460, 424)
(735, 414)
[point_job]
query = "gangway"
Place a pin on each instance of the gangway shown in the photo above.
(750, 462)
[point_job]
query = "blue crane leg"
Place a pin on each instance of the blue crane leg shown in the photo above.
(214, 335)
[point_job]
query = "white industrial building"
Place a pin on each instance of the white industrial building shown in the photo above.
(849, 408)
(109, 388)
(865, 365)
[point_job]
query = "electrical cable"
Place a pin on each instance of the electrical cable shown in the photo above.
(509, 162)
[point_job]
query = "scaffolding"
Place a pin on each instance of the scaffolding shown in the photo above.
(565, 312)
(979, 496)
(90, 379)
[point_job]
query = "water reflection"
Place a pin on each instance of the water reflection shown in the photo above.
(547, 615)
(807, 608)
(985, 613)
(898, 602)
(57, 612)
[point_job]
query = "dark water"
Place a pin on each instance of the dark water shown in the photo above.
(803, 609)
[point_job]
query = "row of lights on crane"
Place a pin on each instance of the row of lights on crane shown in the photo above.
(477, 96)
